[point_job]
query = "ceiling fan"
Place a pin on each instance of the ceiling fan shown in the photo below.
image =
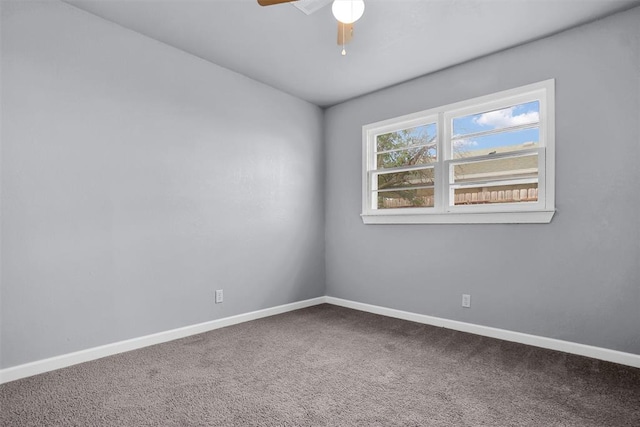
(346, 13)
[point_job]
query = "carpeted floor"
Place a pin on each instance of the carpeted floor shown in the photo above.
(328, 365)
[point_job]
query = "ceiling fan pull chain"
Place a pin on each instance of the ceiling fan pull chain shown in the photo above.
(344, 51)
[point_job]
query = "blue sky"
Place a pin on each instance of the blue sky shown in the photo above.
(499, 119)
(491, 120)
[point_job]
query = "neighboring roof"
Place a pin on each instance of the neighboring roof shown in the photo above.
(525, 166)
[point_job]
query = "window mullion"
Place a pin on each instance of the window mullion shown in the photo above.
(444, 153)
(405, 168)
(496, 131)
(408, 147)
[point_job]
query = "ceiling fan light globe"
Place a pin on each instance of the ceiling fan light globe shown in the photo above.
(347, 11)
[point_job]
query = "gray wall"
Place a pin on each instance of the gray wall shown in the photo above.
(137, 179)
(575, 279)
(1, 97)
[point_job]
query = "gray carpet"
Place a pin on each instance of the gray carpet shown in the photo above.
(327, 365)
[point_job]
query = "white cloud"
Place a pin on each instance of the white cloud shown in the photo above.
(463, 144)
(505, 118)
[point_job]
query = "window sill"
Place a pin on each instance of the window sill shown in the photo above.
(522, 217)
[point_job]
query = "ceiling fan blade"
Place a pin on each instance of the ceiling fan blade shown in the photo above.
(272, 2)
(345, 33)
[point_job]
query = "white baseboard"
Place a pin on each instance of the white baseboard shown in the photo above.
(53, 363)
(608, 355)
(62, 361)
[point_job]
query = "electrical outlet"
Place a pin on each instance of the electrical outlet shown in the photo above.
(219, 296)
(466, 300)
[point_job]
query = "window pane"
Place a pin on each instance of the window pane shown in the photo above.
(504, 118)
(420, 135)
(407, 157)
(507, 168)
(420, 198)
(414, 178)
(496, 194)
(495, 143)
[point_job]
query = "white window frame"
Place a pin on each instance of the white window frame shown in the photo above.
(443, 211)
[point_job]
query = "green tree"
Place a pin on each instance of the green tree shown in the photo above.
(407, 147)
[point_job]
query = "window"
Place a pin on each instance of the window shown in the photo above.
(485, 160)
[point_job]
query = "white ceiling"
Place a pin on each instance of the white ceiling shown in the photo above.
(394, 41)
